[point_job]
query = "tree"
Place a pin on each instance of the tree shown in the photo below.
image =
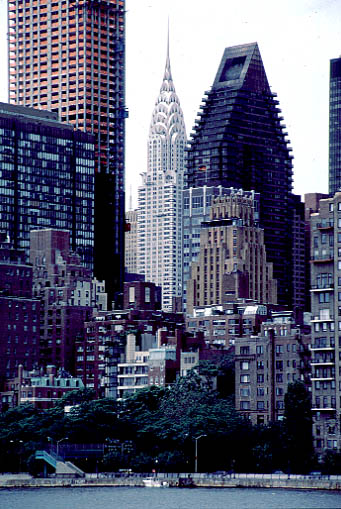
(298, 428)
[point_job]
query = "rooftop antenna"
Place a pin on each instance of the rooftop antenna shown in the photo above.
(131, 199)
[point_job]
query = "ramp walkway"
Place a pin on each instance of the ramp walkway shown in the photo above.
(62, 468)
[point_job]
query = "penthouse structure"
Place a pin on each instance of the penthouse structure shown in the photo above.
(68, 57)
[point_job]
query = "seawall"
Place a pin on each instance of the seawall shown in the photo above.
(196, 480)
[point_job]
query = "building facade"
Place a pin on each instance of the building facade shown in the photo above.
(160, 195)
(222, 324)
(232, 262)
(335, 126)
(19, 312)
(197, 204)
(326, 323)
(64, 287)
(131, 243)
(47, 179)
(41, 389)
(265, 364)
(68, 57)
(239, 140)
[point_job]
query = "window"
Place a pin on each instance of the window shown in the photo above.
(260, 365)
(324, 296)
(244, 379)
(260, 391)
(260, 379)
(244, 365)
(245, 391)
(244, 350)
(260, 349)
(279, 378)
(280, 405)
(245, 405)
(132, 294)
(279, 365)
(260, 405)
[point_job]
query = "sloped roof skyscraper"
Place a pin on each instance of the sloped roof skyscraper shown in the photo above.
(160, 195)
(239, 140)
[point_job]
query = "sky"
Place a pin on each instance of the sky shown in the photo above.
(296, 38)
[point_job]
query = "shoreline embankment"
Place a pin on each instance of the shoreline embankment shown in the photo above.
(12, 481)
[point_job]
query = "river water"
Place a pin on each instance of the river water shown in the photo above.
(166, 498)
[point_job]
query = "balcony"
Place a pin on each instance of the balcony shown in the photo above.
(320, 288)
(326, 348)
(325, 225)
(323, 258)
(322, 379)
(324, 409)
(321, 318)
(322, 363)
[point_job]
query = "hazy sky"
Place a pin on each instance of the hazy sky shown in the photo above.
(296, 38)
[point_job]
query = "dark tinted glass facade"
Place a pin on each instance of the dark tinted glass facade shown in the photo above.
(335, 126)
(239, 141)
(46, 179)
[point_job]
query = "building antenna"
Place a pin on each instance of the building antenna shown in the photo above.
(131, 199)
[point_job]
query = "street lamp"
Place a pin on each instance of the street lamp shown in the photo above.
(58, 442)
(196, 452)
(19, 448)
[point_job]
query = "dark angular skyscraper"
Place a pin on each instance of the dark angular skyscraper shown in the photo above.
(239, 141)
(335, 126)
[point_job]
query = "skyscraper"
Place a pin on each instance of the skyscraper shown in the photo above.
(335, 126)
(67, 56)
(232, 262)
(47, 179)
(160, 196)
(239, 141)
(197, 204)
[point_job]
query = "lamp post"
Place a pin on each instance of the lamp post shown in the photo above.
(196, 452)
(18, 446)
(58, 442)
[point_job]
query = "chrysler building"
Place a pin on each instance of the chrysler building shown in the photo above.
(160, 195)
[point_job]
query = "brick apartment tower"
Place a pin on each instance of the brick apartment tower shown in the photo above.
(68, 56)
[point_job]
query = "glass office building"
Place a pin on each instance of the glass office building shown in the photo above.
(46, 178)
(335, 126)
